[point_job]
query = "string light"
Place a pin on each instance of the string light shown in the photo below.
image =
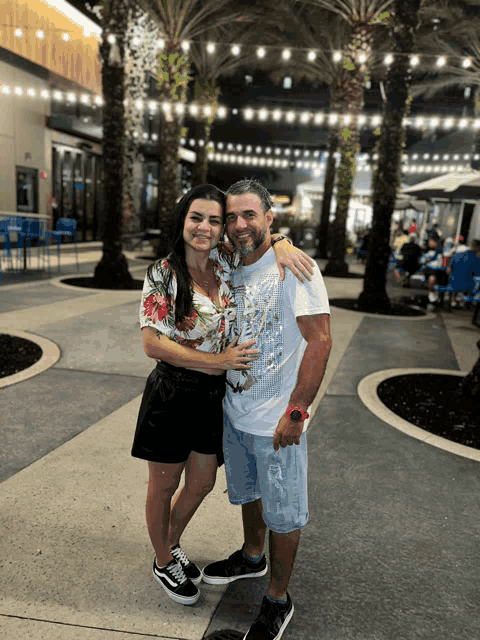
(211, 47)
(264, 114)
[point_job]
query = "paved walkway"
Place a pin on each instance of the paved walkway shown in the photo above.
(392, 547)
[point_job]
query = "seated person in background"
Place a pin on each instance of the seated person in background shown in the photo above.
(413, 226)
(434, 233)
(434, 269)
(448, 250)
(463, 266)
(400, 239)
(460, 246)
(411, 253)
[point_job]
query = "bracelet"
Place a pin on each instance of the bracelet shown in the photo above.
(281, 238)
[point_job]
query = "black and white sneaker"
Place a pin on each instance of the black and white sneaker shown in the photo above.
(234, 568)
(175, 582)
(189, 569)
(271, 621)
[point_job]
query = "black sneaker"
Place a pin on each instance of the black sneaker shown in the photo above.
(176, 583)
(271, 621)
(189, 569)
(234, 568)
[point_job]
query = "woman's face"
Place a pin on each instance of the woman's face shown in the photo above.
(203, 226)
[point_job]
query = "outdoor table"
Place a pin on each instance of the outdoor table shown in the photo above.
(14, 228)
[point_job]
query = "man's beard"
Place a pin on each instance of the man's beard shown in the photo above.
(258, 238)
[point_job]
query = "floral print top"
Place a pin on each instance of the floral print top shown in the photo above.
(208, 326)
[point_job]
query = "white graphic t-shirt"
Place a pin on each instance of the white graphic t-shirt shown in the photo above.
(267, 308)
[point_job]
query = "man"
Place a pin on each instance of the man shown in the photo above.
(265, 409)
(410, 263)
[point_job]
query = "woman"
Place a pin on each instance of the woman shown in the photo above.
(186, 315)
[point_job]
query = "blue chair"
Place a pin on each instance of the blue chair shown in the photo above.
(5, 229)
(33, 229)
(65, 227)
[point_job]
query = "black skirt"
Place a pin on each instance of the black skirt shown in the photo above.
(181, 412)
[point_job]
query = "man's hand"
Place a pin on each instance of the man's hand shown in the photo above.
(287, 433)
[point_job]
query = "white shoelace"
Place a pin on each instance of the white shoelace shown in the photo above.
(179, 555)
(177, 572)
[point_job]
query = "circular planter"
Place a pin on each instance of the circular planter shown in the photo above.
(367, 392)
(50, 355)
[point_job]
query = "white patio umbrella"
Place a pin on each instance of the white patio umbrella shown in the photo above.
(451, 186)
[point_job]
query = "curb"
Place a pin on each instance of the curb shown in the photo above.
(367, 392)
(51, 354)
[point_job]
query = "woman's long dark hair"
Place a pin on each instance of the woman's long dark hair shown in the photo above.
(176, 257)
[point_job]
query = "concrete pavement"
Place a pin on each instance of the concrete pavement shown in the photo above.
(391, 548)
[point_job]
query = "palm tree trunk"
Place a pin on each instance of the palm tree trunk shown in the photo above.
(322, 233)
(350, 89)
(200, 168)
(173, 78)
(169, 183)
(390, 146)
(112, 270)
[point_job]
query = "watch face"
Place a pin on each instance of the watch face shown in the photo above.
(295, 415)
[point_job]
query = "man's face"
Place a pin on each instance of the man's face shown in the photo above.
(247, 224)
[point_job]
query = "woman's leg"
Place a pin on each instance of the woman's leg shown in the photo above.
(163, 481)
(200, 474)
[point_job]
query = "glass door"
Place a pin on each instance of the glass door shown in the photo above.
(27, 190)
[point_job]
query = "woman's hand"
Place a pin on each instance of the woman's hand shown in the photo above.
(238, 356)
(299, 263)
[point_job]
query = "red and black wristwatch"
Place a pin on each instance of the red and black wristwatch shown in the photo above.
(296, 414)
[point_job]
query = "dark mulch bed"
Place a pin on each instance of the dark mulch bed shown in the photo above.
(89, 284)
(425, 400)
(397, 308)
(17, 354)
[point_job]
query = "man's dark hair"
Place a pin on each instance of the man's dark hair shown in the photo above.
(176, 257)
(242, 187)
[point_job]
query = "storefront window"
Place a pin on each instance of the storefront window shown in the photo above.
(27, 190)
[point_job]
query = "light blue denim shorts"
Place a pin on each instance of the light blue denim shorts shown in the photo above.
(255, 470)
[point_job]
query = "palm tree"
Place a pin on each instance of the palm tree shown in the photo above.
(362, 16)
(180, 21)
(311, 26)
(405, 19)
(209, 68)
(112, 270)
(459, 38)
(141, 44)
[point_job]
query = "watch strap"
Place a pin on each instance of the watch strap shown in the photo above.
(291, 408)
